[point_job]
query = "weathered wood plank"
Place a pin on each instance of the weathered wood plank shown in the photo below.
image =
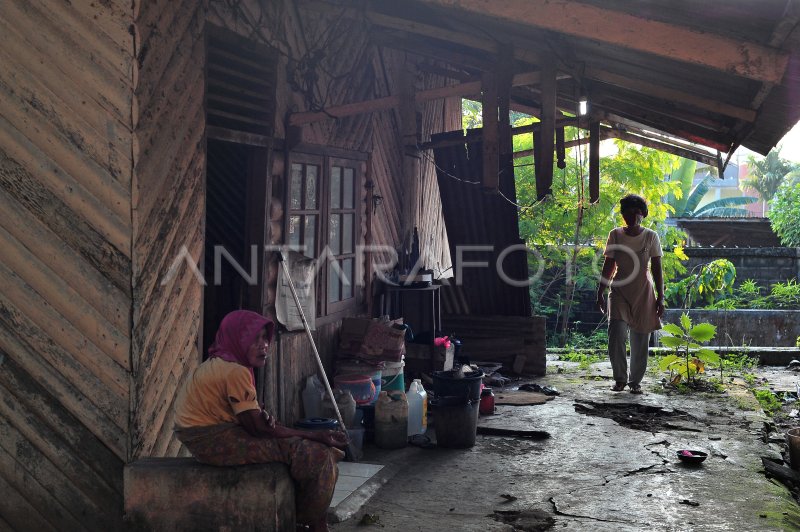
(34, 399)
(74, 272)
(67, 301)
(74, 401)
(101, 262)
(103, 391)
(64, 348)
(173, 146)
(173, 336)
(70, 100)
(161, 47)
(37, 490)
(160, 433)
(42, 126)
(160, 251)
(60, 183)
(82, 34)
(46, 42)
(95, 151)
(19, 512)
(57, 472)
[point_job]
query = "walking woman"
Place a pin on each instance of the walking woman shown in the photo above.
(632, 305)
(221, 423)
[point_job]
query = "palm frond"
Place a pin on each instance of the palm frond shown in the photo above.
(697, 195)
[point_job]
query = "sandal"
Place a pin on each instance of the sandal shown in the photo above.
(618, 387)
(635, 388)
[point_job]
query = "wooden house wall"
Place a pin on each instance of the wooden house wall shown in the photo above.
(66, 78)
(375, 134)
(168, 215)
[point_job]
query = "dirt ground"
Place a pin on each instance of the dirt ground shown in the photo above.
(609, 464)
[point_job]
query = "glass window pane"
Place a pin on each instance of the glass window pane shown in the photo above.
(310, 235)
(336, 187)
(347, 278)
(296, 186)
(335, 234)
(347, 233)
(334, 290)
(311, 187)
(348, 184)
(294, 231)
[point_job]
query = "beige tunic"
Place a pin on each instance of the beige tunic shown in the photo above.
(632, 298)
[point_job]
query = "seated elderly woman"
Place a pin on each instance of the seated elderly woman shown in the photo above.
(221, 423)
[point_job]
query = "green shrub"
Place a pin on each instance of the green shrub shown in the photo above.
(712, 282)
(686, 365)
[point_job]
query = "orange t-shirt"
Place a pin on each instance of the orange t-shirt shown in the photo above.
(215, 393)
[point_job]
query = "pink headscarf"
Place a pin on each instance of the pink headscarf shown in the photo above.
(237, 332)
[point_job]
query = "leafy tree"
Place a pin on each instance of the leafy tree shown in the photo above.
(686, 199)
(785, 213)
(768, 173)
(570, 233)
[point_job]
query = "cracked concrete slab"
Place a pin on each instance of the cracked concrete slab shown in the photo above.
(593, 473)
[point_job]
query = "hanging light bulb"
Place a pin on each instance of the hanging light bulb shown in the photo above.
(583, 106)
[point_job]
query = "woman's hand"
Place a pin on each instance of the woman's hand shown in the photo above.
(660, 306)
(334, 438)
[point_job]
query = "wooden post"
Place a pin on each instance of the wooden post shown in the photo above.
(594, 161)
(505, 74)
(561, 149)
(370, 186)
(411, 158)
(546, 137)
(491, 142)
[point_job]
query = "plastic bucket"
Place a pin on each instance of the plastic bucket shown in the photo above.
(361, 387)
(446, 384)
(793, 439)
(317, 423)
(393, 377)
(359, 368)
(456, 422)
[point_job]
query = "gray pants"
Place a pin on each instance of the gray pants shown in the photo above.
(640, 343)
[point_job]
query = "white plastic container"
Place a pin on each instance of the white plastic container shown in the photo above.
(391, 420)
(417, 408)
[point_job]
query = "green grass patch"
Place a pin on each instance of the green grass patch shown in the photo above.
(769, 402)
(584, 360)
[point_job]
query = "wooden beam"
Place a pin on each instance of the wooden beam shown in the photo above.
(594, 161)
(658, 145)
(470, 40)
(659, 91)
(491, 141)
(544, 142)
(388, 102)
(617, 28)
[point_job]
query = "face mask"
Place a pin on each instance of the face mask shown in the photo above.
(639, 219)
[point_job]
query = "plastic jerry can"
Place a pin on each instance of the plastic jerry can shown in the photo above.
(417, 408)
(391, 420)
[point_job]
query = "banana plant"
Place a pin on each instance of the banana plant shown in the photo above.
(685, 203)
(690, 358)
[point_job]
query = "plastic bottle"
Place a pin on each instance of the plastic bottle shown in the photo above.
(346, 405)
(417, 408)
(391, 420)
